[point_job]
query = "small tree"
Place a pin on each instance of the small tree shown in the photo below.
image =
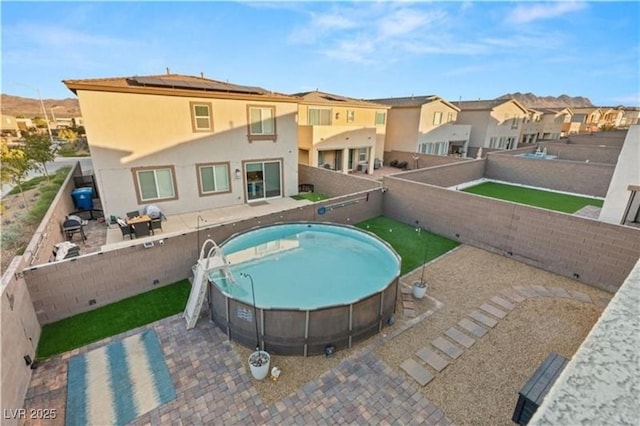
(67, 134)
(41, 151)
(15, 165)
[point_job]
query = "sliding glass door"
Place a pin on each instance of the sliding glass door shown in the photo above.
(264, 179)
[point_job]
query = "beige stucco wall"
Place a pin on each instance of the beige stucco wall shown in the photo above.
(427, 115)
(486, 124)
(134, 130)
(402, 126)
(627, 172)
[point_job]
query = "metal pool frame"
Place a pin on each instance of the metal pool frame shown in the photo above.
(304, 331)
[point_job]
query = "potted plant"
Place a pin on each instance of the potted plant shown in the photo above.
(419, 289)
(259, 364)
(258, 360)
(420, 286)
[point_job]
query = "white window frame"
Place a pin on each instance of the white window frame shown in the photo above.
(437, 118)
(381, 118)
(351, 115)
(362, 154)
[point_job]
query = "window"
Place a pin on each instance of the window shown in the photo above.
(381, 118)
(433, 148)
(319, 117)
(213, 178)
(437, 117)
(351, 115)
(450, 117)
(320, 158)
(515, 122)
(493, 142)
(155, 183)
(201, 117)
(262, 123)
(362, 154)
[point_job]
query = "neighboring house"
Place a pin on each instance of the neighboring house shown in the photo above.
(589, 118)
(25, 124)
(552, 122)
(622, 203)
(340, 133)
(10, 126)
(630, 117)
(495, 124)
(611, 117)
(425, 124)
(187, 143)
(531, 126)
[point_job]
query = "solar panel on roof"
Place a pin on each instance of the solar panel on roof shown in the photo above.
(203, 85)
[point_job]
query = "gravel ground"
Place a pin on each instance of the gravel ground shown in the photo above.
(480, 387)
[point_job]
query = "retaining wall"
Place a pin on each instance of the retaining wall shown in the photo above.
(333, 183)
(596, 253)
(582, 178)
(65, 288)
(584, 153)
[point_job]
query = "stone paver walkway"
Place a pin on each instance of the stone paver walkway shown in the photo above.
(455, 341)
(214, 386)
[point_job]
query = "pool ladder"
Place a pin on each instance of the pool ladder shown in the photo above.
(209, 261)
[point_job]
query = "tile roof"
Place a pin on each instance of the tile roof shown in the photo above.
(169, 82)
(318, 97)
(409, 101)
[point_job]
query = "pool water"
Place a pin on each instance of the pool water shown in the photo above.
(307, 266)
(541, 156)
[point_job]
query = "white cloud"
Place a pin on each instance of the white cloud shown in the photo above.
(628, 100)
(533, 12)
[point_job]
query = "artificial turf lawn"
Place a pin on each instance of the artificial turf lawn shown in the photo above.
(127, 314)
(534, 197)
(311, 196)
(416, 247)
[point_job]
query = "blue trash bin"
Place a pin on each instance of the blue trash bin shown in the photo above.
(83, 198)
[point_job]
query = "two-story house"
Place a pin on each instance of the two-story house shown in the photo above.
(340, 133)
(425, 124)
(611, 117)
(495, 124)
(10, 126)
(630, 116)
(589, 118)
(187, 143)
(544, 124)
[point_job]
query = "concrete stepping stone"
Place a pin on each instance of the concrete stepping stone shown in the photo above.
(416, 371)
(493, 310)
(432, 358)
(408, 305)
(503, 303)
(541, 291)
(513, 295)
(459, 337)
(482, 318)
(472, 327)
(578, 295)
(559, 292)
(447, 347)
(525, 291)
(409, 313)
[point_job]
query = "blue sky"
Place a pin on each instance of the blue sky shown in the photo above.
(468, 50)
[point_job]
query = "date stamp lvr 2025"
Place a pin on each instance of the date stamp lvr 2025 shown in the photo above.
(29, 414)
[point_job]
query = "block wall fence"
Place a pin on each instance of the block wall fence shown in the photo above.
(582, 178)
(595, 253)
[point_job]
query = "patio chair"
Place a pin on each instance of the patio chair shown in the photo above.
(141, 229)
(126, 230)
(156, 224)
(133, 214)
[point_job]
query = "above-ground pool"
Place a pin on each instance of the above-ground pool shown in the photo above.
(315, 285)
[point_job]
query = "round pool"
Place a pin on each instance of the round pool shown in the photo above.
(315, 285)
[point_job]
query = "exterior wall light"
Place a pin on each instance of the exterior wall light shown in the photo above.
(237, 173)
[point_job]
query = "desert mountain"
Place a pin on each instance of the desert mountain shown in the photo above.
(30, 108)
(530, 100)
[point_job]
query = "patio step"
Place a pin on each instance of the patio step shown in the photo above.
(433, 359)
(416, 371)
